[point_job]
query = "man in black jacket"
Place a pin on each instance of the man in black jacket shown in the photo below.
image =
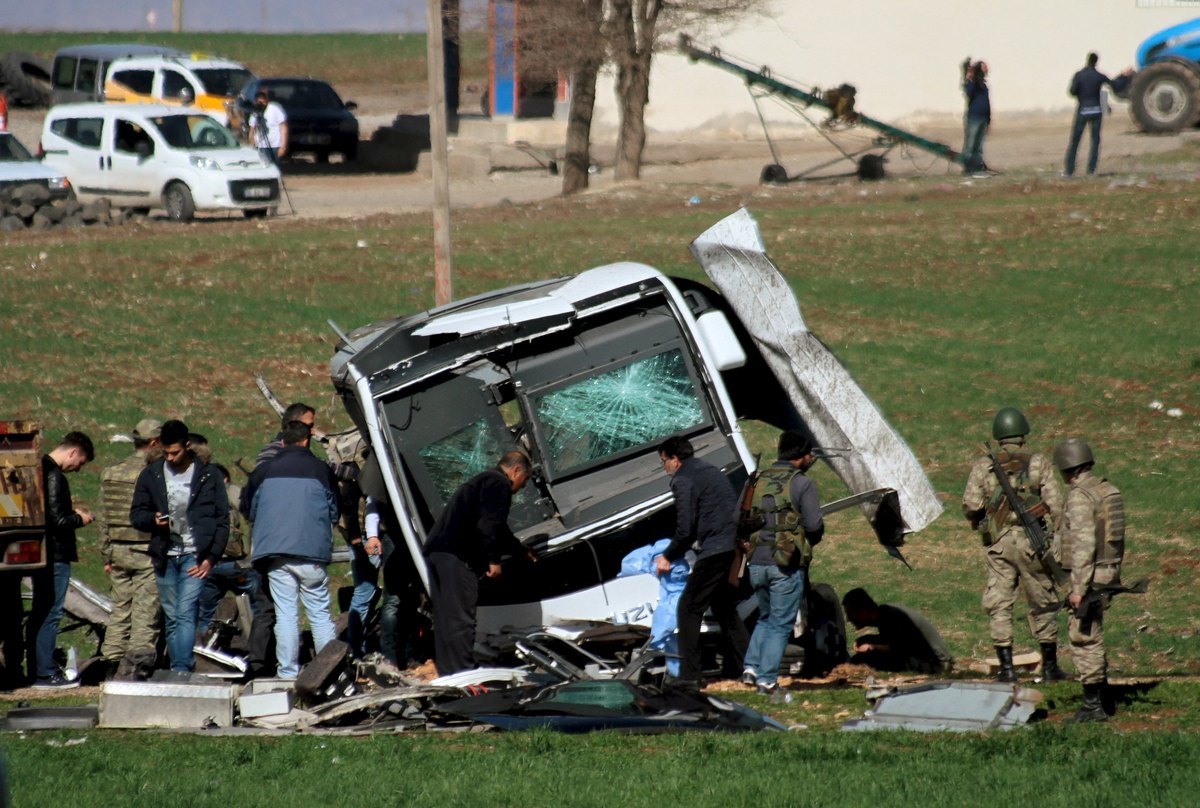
(705, 505)
(63, 518)
(1086, 86)
(468, 542)
(181, 503)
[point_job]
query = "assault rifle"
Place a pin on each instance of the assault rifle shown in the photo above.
(745, 504)
(1031, 523)
(1095, 595)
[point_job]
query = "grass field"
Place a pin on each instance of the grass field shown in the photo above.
(336, 58)
(1076, 302)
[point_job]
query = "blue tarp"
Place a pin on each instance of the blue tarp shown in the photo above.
(670, 586)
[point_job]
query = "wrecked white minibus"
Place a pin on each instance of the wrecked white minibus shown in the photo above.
(588, 374)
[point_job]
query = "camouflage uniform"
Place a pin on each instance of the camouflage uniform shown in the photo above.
(134, 621)
(1093, 541)
(1010, 557)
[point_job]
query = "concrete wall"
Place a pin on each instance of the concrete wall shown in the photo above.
(903, 56)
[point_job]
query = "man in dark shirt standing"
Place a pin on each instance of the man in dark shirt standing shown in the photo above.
(63, 518)
(1085, 86)
(467, 542)
(705, 505)
(905, 639)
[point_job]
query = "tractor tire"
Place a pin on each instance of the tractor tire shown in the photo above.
(177, 199)
(28, 79)
(1165, 98)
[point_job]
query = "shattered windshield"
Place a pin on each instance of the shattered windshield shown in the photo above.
(632, 406)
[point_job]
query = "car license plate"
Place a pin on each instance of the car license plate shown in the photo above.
(258, 192)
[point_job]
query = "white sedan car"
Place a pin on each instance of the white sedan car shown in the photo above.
(19, 167)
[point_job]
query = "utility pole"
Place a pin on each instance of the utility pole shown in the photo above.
(177, 10)
(442, 289)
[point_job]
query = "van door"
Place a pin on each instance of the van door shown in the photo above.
(130, 162)
(62, 79)
(73, 146)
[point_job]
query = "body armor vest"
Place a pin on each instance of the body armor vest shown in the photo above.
(772, 502)
(1000, 515)
(1109, 507)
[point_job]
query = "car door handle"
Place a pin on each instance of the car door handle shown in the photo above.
(109, 161)
(101, 158)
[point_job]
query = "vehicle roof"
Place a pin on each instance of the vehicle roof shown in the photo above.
(392, 350)
(281, 79)
(181, 60)
(109, 51)
(101, 109)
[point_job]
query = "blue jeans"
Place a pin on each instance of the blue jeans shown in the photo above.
(49, 593)
(179, 594)
(1082, 121)
(293, 581)
(366, 579)
(226, 576)
(779, 594)
(973, 145)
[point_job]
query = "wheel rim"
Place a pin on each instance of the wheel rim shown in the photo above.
(174, 203)
(1167, 100)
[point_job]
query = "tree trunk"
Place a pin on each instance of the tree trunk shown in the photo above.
(579, 127)
(634, 26)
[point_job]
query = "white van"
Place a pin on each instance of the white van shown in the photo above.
(151, 156)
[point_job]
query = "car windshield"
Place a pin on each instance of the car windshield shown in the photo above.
(193, 132)
(223, 80)
(305, 95)
(11, 150)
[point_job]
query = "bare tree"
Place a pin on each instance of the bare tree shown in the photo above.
(581, 36)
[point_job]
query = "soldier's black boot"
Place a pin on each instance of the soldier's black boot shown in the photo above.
(1006, 673)
(1092, 708)
(1050, 670)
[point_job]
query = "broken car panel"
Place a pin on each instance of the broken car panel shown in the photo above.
(587, 375)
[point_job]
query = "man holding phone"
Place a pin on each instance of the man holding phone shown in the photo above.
(181, 502)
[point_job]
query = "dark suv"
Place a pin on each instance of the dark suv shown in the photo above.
(319, 122)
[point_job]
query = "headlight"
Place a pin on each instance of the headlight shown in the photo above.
(349, 126)
(58, 184)
(204, 163)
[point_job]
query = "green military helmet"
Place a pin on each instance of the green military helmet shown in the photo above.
(1009, 423)
(1072, 453)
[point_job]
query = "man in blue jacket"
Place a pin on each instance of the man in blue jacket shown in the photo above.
(181, 502)
(979, 115)
(292, 501)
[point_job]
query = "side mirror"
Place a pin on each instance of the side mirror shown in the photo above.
(143, 149)
(351, 106)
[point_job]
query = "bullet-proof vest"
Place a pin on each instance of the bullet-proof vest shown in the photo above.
(772, 501)
(1109, 507)
(999, 513)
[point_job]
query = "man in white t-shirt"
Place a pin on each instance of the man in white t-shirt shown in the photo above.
(268, 127)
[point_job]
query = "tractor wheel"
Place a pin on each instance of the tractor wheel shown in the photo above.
(1165, 98)
(773, 174)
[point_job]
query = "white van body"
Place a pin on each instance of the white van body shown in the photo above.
(156, 156)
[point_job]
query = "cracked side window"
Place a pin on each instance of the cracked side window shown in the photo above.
(604, 415)
(458, 457)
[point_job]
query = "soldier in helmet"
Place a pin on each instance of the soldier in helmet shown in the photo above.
(1093, 544)
(126, 552)
(1011, 562)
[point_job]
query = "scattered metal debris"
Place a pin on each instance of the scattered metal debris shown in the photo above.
(949, 706)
